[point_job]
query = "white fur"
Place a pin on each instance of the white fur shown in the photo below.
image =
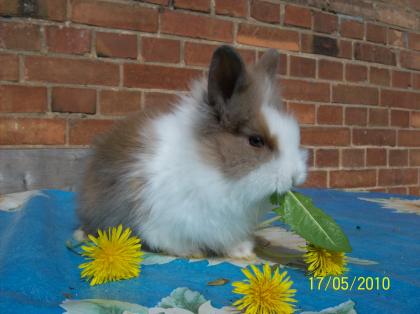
(192, 204)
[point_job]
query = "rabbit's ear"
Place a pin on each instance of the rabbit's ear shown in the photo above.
(227, 74)
(269, 62)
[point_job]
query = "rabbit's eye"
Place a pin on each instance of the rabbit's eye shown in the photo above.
(256, 141)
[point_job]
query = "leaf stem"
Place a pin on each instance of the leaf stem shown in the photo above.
(268, 222)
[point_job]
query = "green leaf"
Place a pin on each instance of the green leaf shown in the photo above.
(312, 223)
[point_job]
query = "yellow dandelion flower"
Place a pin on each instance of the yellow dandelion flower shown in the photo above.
(322, 262)
(113, 255)
(264, 292)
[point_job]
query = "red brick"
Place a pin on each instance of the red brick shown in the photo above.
(160, 50)
(311, 157)
(25, 131)
(196, 26)
(21, 36)
(68, 40)
(330, 70)
(73, 100)
(160, 2)
(116, 45)
(322, 136)
(398, 157)
(410, 60)
(356, 73)
(321, 45)
(380, 190)
(414, 190)
(316, 179)
(401, 79)
(400, 118)
(352, 29)
(345, 49)
(119, 102)
(352, 178)
(249, 58)
(325, 23)
(194, 5)
(283, 64)
(9, 70)
(51, 9)
(414, 41)
(416, 81)
(200, 54)
(373, 53)
(15, 98)
(303, 90)
(353, 157)
(236, 8)
(378, 117)
(374, 137)
(409, 138)
(44, 9)
(83, 132)
(397, 176)
(415, 119)
(396, 15)
(9, 8)
(304, 113)
(327, 158)
(395, 38)
(61, 70)
(265, 11)
(415, 157)
(302, 67)
(115, 15)
(376, 33)
(379, 76)
(306, 43)
(330, 115)
(298, 16)
(270, 37)
(414, 4)
(153, 76)
(397, 190)
(376, 157)
(356, 116)
(160, 101)
(355, 95)
(400, 99)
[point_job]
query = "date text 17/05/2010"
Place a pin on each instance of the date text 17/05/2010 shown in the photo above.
(344, 283)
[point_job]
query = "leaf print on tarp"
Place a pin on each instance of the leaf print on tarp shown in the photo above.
(399, 205)
(343, 308)
(183, 298)
(100, 306)
(16, 201)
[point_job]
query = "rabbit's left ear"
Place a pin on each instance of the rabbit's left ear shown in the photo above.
(227, 74)
(269, 62)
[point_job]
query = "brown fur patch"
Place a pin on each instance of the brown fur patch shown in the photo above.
(107, 195)
(226, 144)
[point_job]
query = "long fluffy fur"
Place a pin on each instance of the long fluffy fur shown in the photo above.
(171, 196)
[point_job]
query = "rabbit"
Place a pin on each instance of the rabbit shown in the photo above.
(196, 180)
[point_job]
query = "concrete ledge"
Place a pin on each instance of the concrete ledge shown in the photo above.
(30, 169)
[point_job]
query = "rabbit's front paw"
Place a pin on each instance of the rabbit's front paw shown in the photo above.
(244, 250)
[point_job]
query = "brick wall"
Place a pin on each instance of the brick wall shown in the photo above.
(350, 73)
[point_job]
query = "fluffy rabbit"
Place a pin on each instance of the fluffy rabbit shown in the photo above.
(196, 180)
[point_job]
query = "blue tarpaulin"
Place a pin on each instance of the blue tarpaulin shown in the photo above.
(39, 274)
